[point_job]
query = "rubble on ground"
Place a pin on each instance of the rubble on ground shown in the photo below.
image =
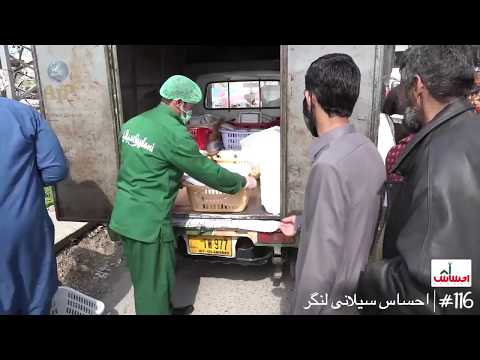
(88, 263)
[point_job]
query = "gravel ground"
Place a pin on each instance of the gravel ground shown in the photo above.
(86, 266)
(94, 266)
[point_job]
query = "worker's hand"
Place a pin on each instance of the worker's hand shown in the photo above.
(251, 183)
(289, 226)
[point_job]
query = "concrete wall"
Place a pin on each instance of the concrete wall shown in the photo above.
(297, 140)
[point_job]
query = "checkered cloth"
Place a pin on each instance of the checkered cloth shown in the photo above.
(393, 156)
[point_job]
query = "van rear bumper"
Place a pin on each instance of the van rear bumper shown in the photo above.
(259, 260)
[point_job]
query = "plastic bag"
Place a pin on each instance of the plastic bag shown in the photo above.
(386, 139)
(262, 150)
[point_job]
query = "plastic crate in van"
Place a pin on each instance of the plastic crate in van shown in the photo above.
(231, 138)
(205, 199)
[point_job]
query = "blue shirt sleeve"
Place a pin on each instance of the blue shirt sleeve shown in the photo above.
(51, 161)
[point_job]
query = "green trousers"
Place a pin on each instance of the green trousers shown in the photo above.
(152, 269)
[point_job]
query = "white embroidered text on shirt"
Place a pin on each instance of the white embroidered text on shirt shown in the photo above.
(136, 141)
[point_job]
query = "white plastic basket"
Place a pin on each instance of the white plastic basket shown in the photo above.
(68, 301)
(231, 138)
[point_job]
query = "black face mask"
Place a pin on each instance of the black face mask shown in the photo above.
(309, 119)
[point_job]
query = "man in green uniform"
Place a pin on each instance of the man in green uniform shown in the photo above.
(156, 150)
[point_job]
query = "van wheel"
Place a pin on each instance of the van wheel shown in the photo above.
(181, 247)
(292, 265)
(278, 266)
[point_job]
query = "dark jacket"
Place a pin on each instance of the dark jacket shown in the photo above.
(435, 216)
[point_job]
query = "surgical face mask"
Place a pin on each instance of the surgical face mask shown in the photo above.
(186, 115)
(309, 118)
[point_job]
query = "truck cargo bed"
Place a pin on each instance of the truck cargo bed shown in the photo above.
(254, 210)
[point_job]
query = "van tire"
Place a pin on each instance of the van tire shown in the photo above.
(292, 262)
(292, 265)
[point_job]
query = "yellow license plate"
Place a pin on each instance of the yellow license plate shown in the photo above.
(210, 245)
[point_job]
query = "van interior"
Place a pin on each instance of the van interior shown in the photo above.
(143, 69)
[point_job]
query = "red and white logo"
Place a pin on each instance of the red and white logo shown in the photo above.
(451, 273)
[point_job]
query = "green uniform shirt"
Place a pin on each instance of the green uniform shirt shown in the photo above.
(156, 149)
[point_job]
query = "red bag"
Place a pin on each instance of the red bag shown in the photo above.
(201, 136)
